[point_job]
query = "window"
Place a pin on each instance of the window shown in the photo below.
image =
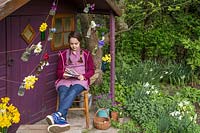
(64, 24)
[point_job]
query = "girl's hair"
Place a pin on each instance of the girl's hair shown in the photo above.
(76, 35)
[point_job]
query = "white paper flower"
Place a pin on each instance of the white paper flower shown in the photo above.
(38, 48)
(93, 24)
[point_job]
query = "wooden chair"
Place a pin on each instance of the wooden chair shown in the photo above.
(85, 93)
(85, 107)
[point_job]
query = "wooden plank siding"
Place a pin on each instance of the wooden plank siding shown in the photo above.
(40, 101)
(3, 59)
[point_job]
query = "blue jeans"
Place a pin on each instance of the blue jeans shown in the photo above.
(67, 96)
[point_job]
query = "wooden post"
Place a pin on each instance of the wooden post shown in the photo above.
(112, 53)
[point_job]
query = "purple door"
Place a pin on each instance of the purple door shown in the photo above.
(3, 59)
(32, 104)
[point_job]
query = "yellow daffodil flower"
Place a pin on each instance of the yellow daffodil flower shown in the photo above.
(43, 27)
(9, 114)
(106, 58)
(29, 82)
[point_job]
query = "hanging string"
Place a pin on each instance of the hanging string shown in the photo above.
(12, 51)
(11, 81)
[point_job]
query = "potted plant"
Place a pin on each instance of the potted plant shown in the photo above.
(103, 105)
(114, 112)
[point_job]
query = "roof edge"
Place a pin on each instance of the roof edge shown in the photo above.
(114, 7)
(9, 6)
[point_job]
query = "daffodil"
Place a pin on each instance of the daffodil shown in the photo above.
(9, 114)
(29, 82)
(5, 100)
(43, 27)
(106, 58)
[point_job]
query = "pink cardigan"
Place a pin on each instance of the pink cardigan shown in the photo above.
(89, 65)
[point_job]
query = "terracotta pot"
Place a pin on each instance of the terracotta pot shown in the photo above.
(114, 116)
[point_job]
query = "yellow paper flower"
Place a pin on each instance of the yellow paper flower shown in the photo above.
(29, 82)
(9, 114)
(106, 58)
(43, 27)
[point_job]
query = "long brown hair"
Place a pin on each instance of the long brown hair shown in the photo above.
(76, 35)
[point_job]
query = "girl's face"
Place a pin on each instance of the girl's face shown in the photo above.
(74, 44)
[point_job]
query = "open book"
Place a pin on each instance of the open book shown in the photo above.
(70, 72)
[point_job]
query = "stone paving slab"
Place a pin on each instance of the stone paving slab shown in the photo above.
(76, 120)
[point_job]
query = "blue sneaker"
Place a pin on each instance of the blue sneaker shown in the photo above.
(58, 128)
(55, 118)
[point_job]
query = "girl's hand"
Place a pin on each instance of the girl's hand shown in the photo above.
(65, 77)
(81, 77)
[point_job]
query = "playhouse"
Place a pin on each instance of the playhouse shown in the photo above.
(19, 28)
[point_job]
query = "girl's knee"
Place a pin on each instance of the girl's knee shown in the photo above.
(62, 88)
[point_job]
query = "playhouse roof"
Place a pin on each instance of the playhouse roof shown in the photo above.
(101, 6)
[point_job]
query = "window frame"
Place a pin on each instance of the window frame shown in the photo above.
(63, 31)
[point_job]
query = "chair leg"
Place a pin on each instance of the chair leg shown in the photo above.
(86, 109)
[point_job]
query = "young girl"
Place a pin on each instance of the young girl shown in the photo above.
(69, 86)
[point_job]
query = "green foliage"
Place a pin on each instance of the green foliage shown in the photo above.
(177, 74)
(143, 72)
(141, 106)
(189, 93)
(154, 73)
(127, 127)
(161, 31)
(103, 101)
(103, 88)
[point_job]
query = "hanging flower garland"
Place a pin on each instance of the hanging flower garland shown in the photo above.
(93, 26)
(29, 81)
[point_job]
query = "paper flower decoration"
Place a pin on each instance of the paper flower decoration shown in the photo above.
(29, 82)
(38, 48)
(46, 56)
(92, 26)
(106, 58)
(53, 9)
(92, 7)
(43, 27)
(101, 42)
(89, 7)
(44, 62)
